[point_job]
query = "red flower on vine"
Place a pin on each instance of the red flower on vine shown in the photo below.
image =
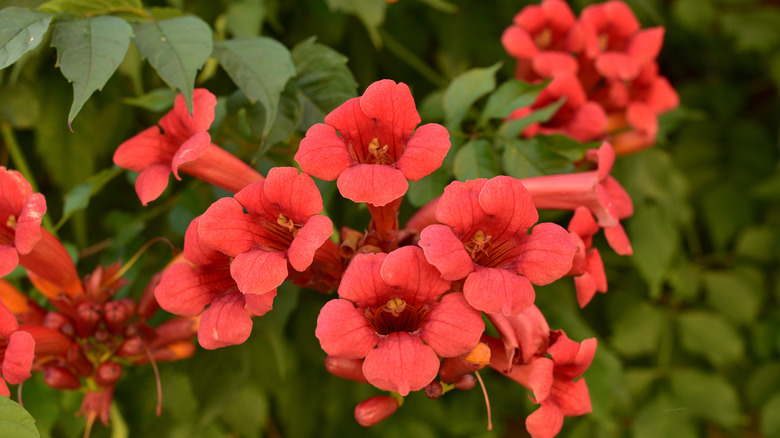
(21, 212)
(281, 224)
(485, 240)
(392, 313)
(371, 146)
(16, 351)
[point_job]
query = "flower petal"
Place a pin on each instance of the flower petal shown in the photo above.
(225, 322)
(546, 254)
(186, 291)
(459, 207)
(646, 45)
(309, 238)
(322, 153)
(572, 397)
(18, 357)
(226, 228)
(28, 225)
(545, 422)
(509, 206)
(258, 271)
(419, 282)
(179, 123)
(392, 107)
(617, 65)
(498, 290)
(424, 151)
(362, 281)
(372, 183)
(446, 252)
(518, 43)
(8, 322)
(453, 326)
(294, 194)
(9, 259)
(260, 304)
(190, 150)
(147, 148)
(151, 182)
(402, 363)
(343, 330)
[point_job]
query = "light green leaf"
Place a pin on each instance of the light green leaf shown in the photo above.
(423, 191)
(663, 417)
(244, 18)
(709, 335)
(762, 383)
(176, 48)
(323, 75)
(260, 67)
(15, 422)
(157, 100)
(78, 197)
(89, 50)
(21, 30)
(734, 295)
(509, 96)
(128, 9)
(770, 417)
(754, 30)
(513, 128)
(370, 12)
(706, 395)
(528, 158)
(466, 89)
(475, 159)
(655, 240)
(638, 331)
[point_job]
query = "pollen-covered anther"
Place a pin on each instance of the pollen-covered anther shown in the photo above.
(11, 222)
(288, 223)
(543, 38)
(603, 41)
(396, 306)
(379, 153)
(478, 243)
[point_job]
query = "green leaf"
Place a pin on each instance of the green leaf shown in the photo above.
(370, 12)
(92, 7)
(763, 383)
(466, 89)
(19, 105)
(527, 158)
(78, 197)
(770, 417)
(663, 417)
(709, 335)
(244, 18)
(176, 48)
(157, 100)
(734, 295)
(706, 395)
(638, 331)
(247, 412)
(509, 96)
(260, 67)
(754, 30)
(757, 243)
(513, 128)
(423, 191)
(655, 241)
(475, 159)
(15, 422)
(323, 75)
(21, 30)
(89, 50)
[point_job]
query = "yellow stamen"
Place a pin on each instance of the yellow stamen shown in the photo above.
(603, 41)
(11, 222)
(379, 153)
(543, 38)
(396, 306)
(288, 223)
(478, 243)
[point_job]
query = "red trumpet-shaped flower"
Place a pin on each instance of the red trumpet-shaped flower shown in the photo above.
(21, 212)
(485, 240)
(281, 224)
(587, 267)
(371, 146)
(203, 279)
(183, 145)
(16, 351)
(392, 313)
(595, 189)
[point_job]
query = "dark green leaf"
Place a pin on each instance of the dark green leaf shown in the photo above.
(465, 89)
(754, 30)
(770, 417)
(19, 105)
(176, 48)
(260, 67)
(245, 17)
(157, 100)
(638, 331)
(531, 157)
(475, 159)
(513, 128)
(509, 96)
(21, 30)
(706, 395)
(734, 295)
(78, 197)
(323, 75)
(726, 211)
(655, 240)
(247, 412)
(89, 50)
(15, 422)
(422, 191)
(663, 417)
(92, 7)
(709, 335)
(370, 12)
(763, 383)
(441, 5)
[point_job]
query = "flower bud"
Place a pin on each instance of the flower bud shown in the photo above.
(131, 347)
(117, 314)
(101, 336)
(466, 382)
(351, 369)
(375, 409)
(108, 373)
(60, 377)
(453, 368)
(148, 304)
(434, 390)
(56, 321)
(87, 318)
(78, 361)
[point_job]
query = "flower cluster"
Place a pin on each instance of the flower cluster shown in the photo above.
(601, 62)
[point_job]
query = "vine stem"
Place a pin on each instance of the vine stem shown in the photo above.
(7, 132)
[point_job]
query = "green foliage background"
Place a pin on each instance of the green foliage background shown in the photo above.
(689, 332)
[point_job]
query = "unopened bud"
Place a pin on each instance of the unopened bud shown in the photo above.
(375, 409)
(78, 361)
(434, 390)
(453, 368)
(351, 369)
(87, 318)
(131, 347)
(174, 330)
(56, 321)
(148, 305)
(117, 314)
(466, 382)
(108, 373)
(59, 377)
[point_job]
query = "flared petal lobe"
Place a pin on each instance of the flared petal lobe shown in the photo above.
(453, 327)
(401, 362)
(343, 330)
